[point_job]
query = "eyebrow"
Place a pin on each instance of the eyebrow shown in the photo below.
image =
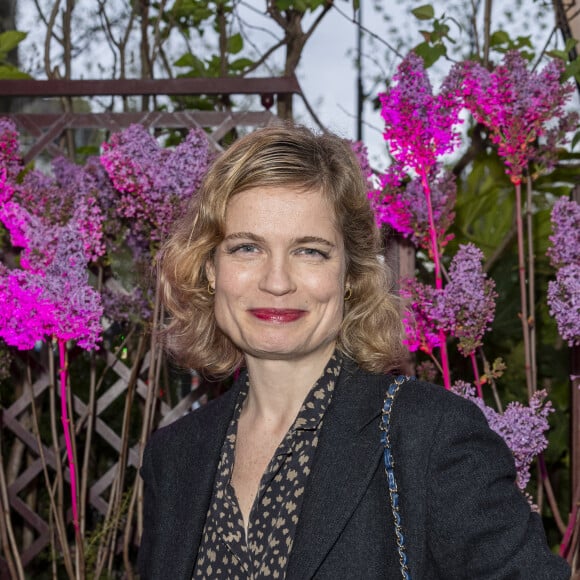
(302, 240)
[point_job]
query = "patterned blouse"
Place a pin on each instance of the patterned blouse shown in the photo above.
(225, 552)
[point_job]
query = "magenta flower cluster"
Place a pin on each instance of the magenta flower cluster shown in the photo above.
(49, 296)
(419, 126)
(523, 428)
(403, 207)
(153, 182)
(55, 303)
(10, 161)
(464, 308)
(564, 254)
(517, 105)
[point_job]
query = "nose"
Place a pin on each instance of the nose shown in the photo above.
(276, 277)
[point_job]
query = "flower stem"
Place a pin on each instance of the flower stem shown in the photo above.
(476, 374)
(67, 436)
(531, 285)
(523, 292)
(438, 276)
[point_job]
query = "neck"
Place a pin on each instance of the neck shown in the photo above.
(278, 387)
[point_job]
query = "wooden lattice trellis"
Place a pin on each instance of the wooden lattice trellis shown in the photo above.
(45, 131)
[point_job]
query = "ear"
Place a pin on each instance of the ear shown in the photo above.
(210, 272)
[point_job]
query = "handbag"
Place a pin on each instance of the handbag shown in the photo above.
(385, 424)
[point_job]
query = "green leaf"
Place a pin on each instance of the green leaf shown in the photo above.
(499, 37)
(241, 64)
(575, 140)
(8, 71)
(425, 12)
(191, 61)
(570, 44)
(283, 4)
(235, 43)
(430, 53)
(561, 54)
(572, 69)
(9, 40)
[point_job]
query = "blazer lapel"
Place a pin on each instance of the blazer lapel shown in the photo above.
(188, 494)
(348, 454)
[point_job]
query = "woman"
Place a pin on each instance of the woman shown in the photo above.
(274, 269)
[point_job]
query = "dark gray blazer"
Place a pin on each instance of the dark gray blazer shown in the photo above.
(462, 513)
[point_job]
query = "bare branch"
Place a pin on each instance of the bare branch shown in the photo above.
(367, 31)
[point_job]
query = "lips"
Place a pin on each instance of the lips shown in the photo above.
(277, 315)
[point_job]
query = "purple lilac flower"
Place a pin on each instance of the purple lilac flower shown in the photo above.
(522, 428)
(362, 154)
(419, 126)
(55, 303)
(466, 307)
(124, 306)
(26, 315)
(420, 328)
(565, 249)
(154, 183)
(10, 160)
(426, 371)
(31, 233)
(564, 302)
(71, 193)
(515, 104)
(78, 307)
(404, 207)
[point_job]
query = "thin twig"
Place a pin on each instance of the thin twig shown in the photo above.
(11, 552)
(367, 31)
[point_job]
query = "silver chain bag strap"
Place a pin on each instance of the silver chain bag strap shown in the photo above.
(389, 470)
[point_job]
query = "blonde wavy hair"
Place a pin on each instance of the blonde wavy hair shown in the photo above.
(294, 157)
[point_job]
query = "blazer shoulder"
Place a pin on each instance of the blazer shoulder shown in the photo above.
(193, 425)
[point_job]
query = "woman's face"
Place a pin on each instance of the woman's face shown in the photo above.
(279, 274)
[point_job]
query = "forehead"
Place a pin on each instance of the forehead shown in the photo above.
(279, 208)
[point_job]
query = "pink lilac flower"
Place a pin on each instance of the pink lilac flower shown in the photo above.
(403, 207)
(31, 233)
(362, 154)
(421, 332)
(427, 371)
(466, 307)
(564, 302)
(26, 315)
(6, 189)
(70, 193)
(522, 427)
(516, 105)
(154, 183)
(419, 126)
(78, 307)
(565, 248)
(10, 160)
(57, 302)
(133, 306)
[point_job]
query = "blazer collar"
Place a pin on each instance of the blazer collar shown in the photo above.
(348, 454)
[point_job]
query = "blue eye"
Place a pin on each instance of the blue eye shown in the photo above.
(242, 249)
(314, 252)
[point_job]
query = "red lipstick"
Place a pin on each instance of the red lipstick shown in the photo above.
(277, 315)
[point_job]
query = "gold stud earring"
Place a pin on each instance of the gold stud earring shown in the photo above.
(210, 289)
(348, 294)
